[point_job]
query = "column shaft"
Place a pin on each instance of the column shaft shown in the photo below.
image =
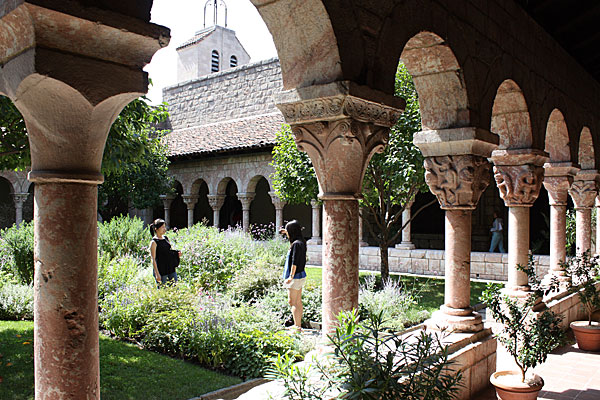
(316, 222)
(18, 213)
(458, 259)
(597, 226)
(278, 218)
(518, 247)
(190, 216)
(340, 259)
(406, 231)
(246, 219)
(558, 238)
(65, 293)
(216, 217)
(583, 229)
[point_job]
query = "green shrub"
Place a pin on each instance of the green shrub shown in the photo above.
(16, 251)
(277, 301)
(254, 282)
(115, 273)
(123, 236)
(16, 302)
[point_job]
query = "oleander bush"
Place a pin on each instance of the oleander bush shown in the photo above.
(16, 252)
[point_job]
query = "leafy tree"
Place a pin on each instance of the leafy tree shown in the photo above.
(134, 161)
(392, 178)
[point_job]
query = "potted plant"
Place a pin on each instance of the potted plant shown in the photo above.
(527, 335)
(585, 275)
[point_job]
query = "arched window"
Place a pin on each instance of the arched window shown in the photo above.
(214, 62)
(233, 61)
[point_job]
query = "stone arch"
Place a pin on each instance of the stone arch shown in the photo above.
(586, 153)
(510, 117)
(251, 185)
(557, 138)
(178, 218)
(202, 209)
(195, 187)
(438, 79)
(262, 210)
(222, 185)
(307, 56)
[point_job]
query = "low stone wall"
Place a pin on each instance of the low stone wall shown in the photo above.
(492, 266)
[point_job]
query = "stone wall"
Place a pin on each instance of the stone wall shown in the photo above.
(492, 266)
(236, 93)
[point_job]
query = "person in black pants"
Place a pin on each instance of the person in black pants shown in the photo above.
(162, 255)
(294, 274)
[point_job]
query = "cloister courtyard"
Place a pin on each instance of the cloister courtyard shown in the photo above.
(509, 93)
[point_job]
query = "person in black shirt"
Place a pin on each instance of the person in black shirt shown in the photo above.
(160, 250)
(294, 274)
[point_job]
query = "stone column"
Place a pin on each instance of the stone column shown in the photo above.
(519, 175)
(361, 242)
(69, 76)
(340, 130)
(216, 202)
(458, 182)
(597, 250)
(278, 204)
(190, 201)
(406, 243)
(246, 199)
(583, 191)
(167, 201)
(316, 222)
(558, 177)
(19, 199)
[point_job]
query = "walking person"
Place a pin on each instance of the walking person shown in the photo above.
(497, 234)
(294, 274)
(164, 260)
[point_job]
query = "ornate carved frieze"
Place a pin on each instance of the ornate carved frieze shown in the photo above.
(216, 201)
(558, 189)
(457, 181)
(340, 106)
(583, 193)
(340, 151)
(519, 185)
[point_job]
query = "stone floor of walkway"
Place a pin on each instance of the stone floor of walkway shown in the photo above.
(569, 373)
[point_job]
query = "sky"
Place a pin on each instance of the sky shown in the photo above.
(185, 18)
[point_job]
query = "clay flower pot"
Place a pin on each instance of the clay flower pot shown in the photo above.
(509, 386)
(587, 336)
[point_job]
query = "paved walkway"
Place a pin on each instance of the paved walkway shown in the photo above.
(569, 373)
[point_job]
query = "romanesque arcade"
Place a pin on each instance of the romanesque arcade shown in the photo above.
(498, 96)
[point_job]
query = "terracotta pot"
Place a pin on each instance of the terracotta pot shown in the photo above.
(509, 386)
(587, 336)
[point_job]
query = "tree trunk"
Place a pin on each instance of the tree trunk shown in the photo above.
(385, 266)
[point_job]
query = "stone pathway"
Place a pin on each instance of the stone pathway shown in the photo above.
(569, 373)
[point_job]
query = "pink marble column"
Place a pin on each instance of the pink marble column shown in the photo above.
(190, 201)
(583, 191)
(597, 225)
(216, 202)
(340, 131)
(458, 182)
(519, 175)
(65, 288)
(340, 257)
(557, 181)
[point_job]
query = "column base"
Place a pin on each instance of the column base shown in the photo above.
(405, 246)
(441, 320)
(522, 293)
(315, 240)
(363, 244)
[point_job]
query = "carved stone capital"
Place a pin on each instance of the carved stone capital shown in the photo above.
(20, 198)
(246, 199)
(277, 201)
(340, 151)
(216, 201)
(519, 185)
(583, 193)
(167, 199)
(558, 189)
(190, 200)
(457, 181)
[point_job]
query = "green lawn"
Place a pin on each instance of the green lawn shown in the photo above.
(430, 289)
(126, 372)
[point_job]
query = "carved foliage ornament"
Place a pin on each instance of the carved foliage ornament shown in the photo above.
(519, 185)
(457, 181)
(583, 193)
(328, 108)
(340, 151)
(557, 187)
(216, 201)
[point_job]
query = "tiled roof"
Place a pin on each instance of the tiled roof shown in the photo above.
(197, 37)
(246, 133)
